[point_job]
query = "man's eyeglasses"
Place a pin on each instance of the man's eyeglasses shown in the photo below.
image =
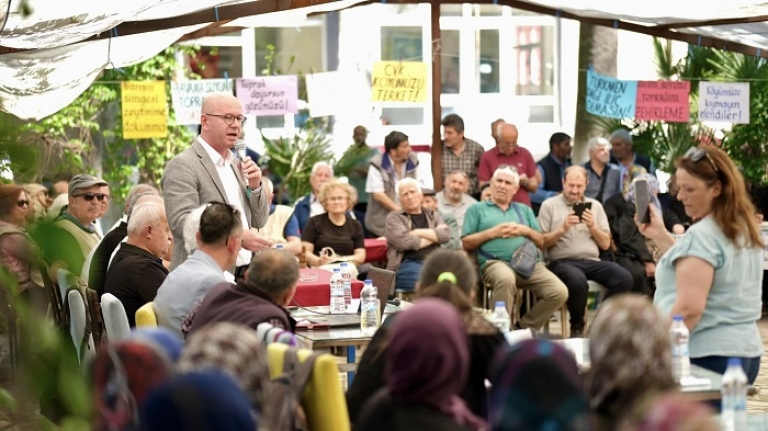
(696, 154)
(89, 196)
(229, 118)
(22, 203)
(232, 219)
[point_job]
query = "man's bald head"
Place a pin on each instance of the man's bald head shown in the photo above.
(213, 101)
(507, 143)
(149, 198)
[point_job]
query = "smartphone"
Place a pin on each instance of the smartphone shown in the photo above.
(579, 208)
(642, 200)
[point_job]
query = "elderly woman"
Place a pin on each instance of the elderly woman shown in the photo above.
(18, 253)
(630, 357)
(334, 236)
(712, 275)
(38, 201)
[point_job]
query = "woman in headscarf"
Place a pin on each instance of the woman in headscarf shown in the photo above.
(630, 356)
(235, 350)
(537, 386)
(427, 363)
(123, 375)
(458, 288)
(671, 412)
(209, 401)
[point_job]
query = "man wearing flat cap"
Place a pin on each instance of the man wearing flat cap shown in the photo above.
(72, 236)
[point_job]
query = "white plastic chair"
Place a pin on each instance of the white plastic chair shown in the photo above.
(115, 318)
(77, 320)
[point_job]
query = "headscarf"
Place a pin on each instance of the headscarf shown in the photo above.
(653, 189)
(427, 360)
(630, 356)
(124, 373)
(209, 401)
(163, 338)
(233, 349)
(537, 386)
(671, 412)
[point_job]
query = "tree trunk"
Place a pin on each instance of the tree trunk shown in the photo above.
(598, 47)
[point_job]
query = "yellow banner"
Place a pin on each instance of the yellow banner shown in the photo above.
(145, 109)
(399, 81)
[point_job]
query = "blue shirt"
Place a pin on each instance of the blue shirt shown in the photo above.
(728, 326)
(291, 226)
(486, 215)
(541, 194)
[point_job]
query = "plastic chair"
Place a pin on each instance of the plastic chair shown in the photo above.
(78, 324)
(115, 319)
(145, 316)
(323, 400)
(599, 290)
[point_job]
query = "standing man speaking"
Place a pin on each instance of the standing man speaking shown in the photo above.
(207, 171)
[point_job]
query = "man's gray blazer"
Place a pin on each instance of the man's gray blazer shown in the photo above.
(190, 179)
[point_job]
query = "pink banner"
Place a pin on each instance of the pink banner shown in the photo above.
(268, 95)
(663, 101)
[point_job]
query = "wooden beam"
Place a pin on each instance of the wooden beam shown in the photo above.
(437, 110)
(727, 21)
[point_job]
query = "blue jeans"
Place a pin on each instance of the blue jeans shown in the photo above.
(407, 275)
(718, 364)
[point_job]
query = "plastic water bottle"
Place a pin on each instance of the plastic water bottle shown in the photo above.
(346, 283)
(337, 293)
(734, 402)
(681, 362)
(501, 317)
(370, 317)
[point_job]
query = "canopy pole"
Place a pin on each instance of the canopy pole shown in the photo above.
(437, 85)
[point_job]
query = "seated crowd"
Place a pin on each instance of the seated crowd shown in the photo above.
(215, 259)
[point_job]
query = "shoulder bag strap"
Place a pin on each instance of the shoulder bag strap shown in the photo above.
(603, 179)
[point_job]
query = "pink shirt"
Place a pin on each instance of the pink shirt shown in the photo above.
(520, 159)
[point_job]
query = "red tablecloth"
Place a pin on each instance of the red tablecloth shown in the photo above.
(314, 293)
(375, 250)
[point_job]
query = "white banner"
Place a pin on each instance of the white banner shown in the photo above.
(187, 97)
(333, 93)
(724, 102)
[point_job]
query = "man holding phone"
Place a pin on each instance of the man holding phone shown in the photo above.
(575, 229)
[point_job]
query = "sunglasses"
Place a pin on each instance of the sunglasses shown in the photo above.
(89, 196)
(234, 217)
(22, 203)
(695, 154)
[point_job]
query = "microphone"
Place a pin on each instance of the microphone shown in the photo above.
(240, 148)
(394, 301)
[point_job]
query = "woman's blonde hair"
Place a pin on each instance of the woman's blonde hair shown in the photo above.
(732, 210)
(335, 184)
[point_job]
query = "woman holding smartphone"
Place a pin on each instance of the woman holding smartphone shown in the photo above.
(712, 274)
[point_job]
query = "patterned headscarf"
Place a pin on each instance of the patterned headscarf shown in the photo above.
(123, 375)
(427, 360)
(653, 190)
(209, 401)
(234, 349)
(670, 412)
(537, 386)
(630, 174)
(164, 338)
(629, 350)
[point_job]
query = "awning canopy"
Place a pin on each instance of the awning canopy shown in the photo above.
(51, 54)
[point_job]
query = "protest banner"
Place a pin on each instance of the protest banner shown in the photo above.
(145, 110)
(187, 97)
(269, 95)
(399, 81)
(610, 97)
(663, 101)
(324, 89)
(726, 102)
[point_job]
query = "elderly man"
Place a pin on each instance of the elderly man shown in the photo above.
(282, 226)
(412, 233)
(453, 199)
(217, 236)
(308, 206)
(268, 289)
(604, 178)
(623, 155)
(385, 172)
(460, 154)
(137, 270)
(207, 172)
(573, 244)
(98, 261)
(552, 168)
(507, 152)
(496, 228)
